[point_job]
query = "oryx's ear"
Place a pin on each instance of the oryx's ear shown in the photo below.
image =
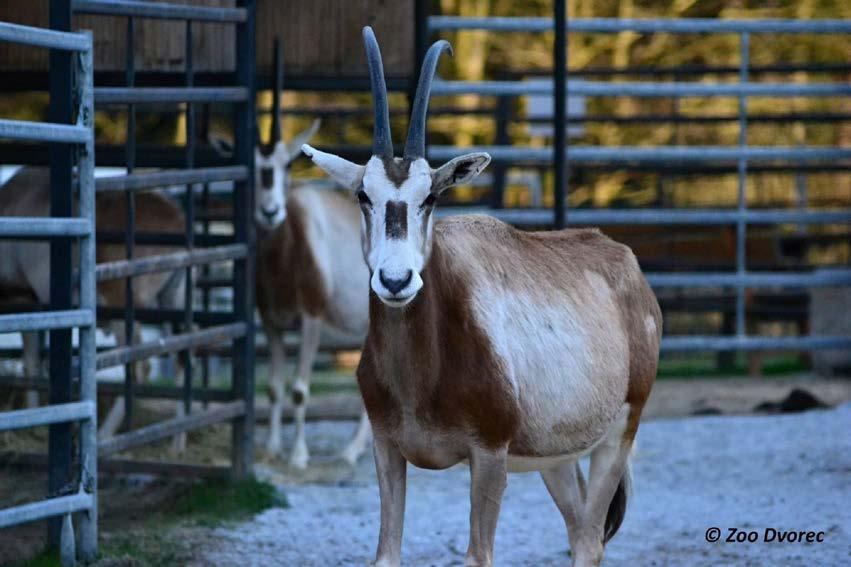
(346, 173)
(221, 146)
(458, 171)
(295, 145)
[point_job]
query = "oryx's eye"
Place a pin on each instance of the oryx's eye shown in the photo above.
(363, 199)
(429, 201)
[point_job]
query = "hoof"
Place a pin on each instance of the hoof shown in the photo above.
(350, 455)
(299, 458)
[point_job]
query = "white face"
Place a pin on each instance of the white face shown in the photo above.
(271, 180)
(397, 209)
(396, 226)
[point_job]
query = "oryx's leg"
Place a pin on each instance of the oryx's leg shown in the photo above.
(301, 387)
(487, 483)
(113, 420)
(357, 445)
(392, 470)
(276, 388)
(566, 485)
(32, 363)
(608, 487)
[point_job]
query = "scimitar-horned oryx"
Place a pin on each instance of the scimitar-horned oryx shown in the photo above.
(510, 350)
(308, 267)
(25, 270)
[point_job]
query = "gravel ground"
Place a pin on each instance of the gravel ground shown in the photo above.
(789, 472)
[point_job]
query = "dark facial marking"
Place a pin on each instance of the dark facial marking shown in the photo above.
(397, 171)
(267, 175)
(396, 219)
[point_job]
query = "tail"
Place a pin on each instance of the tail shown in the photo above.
(617, 507)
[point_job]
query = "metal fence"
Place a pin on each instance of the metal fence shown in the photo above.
(74, 141)
(236, 327)
(740, 155)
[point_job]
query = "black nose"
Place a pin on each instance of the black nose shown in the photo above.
(270, 214)
(393, 285)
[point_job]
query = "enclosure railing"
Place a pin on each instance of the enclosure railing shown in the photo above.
(741, 155)
(82, 495)
(238, 328)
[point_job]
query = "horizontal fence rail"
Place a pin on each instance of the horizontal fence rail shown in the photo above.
(21, 322)
(59, 506)
(158, 179)
(160, 95)
(598, 88)
(621, 154)
(44, 227)
(696, 217)
(37, 37)
(56, 413)
(43, 132)
(167, 262)
(644, 25)
(160, 10)
(170, 427)
(127, 354)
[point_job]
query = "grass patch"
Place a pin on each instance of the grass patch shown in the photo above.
(158, 541)
(47, 558)
(704, 366)
(213, 502)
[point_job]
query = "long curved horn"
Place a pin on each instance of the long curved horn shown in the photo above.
(415, 145)
(278, 85)
(382, 143)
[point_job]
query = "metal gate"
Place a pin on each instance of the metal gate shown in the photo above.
(237, 327)
(73, 142)
(561, 156)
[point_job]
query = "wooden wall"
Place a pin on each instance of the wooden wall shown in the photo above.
(320, 37)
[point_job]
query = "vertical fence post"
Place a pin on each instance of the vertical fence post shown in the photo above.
(559, 111)
(61, 197)
(88, 301)
(130, 220)
(242, 440)
(190, 222)
(742, 204)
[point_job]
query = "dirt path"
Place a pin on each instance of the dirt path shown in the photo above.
(789, 472)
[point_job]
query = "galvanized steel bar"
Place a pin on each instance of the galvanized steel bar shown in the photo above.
(559, 113)
(167, 262)
(643, 25)
(170, 427)
(647, 90)
(43, 227)
(159, 10)
(715, 343)
(39, 37)
(242, 364)
(189, 210)
(130, 217)
(88, 301)
(51, 507)
(174, 343)
(742, 187)
(819, 278)
(624, 154)
(21, 322)
(158, 179)
(159, 95)
(47, 415)
(42, 132)
(696, 217)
